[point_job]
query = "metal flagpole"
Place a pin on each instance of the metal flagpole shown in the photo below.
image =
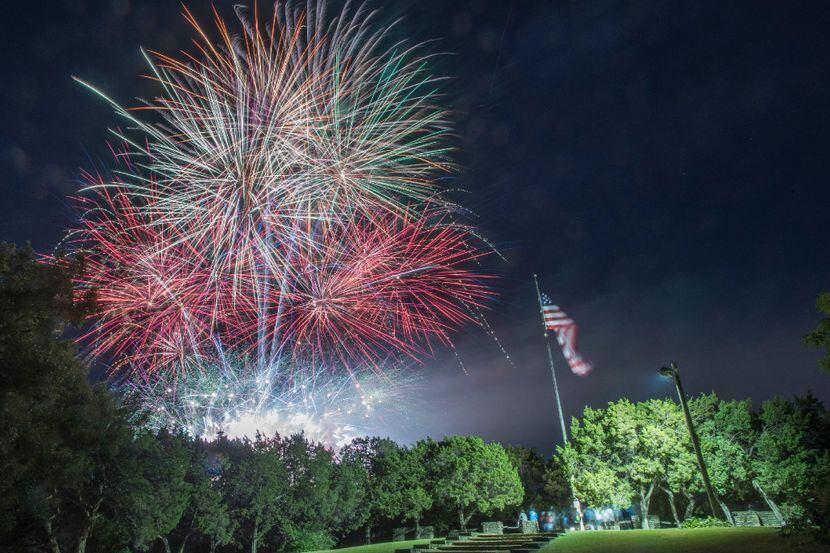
(550, 360)
(577, 505)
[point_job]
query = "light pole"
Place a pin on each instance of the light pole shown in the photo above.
(673, 372)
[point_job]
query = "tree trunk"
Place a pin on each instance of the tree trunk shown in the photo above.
(368, 534)
(166, 543)
(255, 537)
(462, 523)
(690, 507)
(82, 539)
(672, 506)
(645, 501)
(53, 541)
(417, 528)
(212, 545)
(726, 512)
(773, 507)
(89, 523)
(643, 515)
(86, 530)
(187, 534)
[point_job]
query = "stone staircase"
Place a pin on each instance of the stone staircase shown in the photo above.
(475, 542)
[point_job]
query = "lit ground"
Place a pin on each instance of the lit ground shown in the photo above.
(699, 540)
(386, 547)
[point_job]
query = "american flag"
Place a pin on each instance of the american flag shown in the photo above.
(566, 330)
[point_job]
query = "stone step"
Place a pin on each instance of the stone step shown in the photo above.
(469, 546)
(489, 547)
(486, 550)
(499, 543)
(477, 542)
(510, 537)
(513, 537)
(511, 540)
(517, 537)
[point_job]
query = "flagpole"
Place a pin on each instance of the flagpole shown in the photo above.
(577, 505)
(550, 361)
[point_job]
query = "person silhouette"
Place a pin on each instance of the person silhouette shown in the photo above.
(532, 515)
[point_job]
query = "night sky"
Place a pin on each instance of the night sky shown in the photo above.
(662, 166)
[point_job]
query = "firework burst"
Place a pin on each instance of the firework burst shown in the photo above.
(282, 208)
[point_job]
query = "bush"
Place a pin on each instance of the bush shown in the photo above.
(700, 522)
(811, 515)
(820, 508)
(297, 539)
(795, 519)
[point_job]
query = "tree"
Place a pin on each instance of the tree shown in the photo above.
(159, 492)
(210, 514)
(407, 483)
(91, 478)
(622, 451)
(679, 469)
(79, 471)
(375, 456)
(307, 515)
(531, 467)
(557, 489)
(350, 504)
(254, 482)
(790, 449)
(595, 481)
(474, 477)
(728, 433)
(682, 476)
(63, 444)
(591, 462)
(205, 514)
(820, 337)
(42, 383)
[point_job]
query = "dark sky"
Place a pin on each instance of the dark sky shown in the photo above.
(662, 165)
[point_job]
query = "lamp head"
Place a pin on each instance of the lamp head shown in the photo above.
(666, 371)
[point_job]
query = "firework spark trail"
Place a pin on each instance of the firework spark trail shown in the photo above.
(236, 399)
(283, 208)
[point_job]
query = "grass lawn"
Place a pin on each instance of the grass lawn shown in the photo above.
(697, 540)
(386, 547)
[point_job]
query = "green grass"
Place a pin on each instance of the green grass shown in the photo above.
(697, 540)
(386, 547)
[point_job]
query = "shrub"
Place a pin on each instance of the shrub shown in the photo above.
(700, 522)
(297, 539)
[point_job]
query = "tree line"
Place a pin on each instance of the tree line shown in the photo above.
(778, 454)
(78, 474)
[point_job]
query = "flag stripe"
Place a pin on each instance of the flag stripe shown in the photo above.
(566, 332)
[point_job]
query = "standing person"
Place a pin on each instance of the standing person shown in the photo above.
(522, 518)
(533, 516)
(548, 521)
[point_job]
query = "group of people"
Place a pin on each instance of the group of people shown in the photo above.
(546, 520)
(593, 518)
